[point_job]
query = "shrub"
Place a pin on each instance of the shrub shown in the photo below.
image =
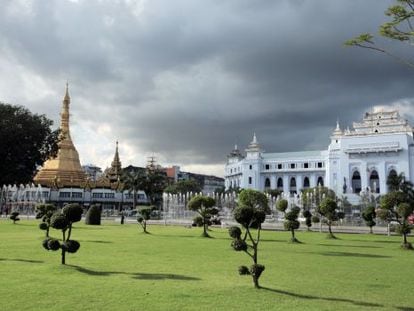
(198, 221)
(93, 215)
(43, 226)
(14, 216)
(59, 221)
(71, 246)
(73, 212)
(53, 244)
(235, 232)
(239, 245)
(243, 270)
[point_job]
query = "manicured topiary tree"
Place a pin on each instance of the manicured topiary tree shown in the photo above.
(63, 221)
(291, 222)
(204, 206)
(369, 214)
(398, 206)
(93, 215)
(14, 216)
(250, 213)
(308, 218)
(144, 214)
(328, 210)
(45, 212)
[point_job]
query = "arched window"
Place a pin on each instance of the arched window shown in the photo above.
(292, 185)
(267, 183)
(320, 181)
(356, 182)
(306, 182)
(374, 182)
(280, 183)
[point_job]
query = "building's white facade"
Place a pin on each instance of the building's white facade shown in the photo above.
(357, 159)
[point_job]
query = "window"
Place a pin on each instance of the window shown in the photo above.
(250, 180)
(267, 183)
(280, 183)
(319, 164)
(109, 195)
(231, 170)
(279, 166)
(292, 165)
(320, 181)
(306, 165)
(64, 195)
(250, 167)
(306, 182)
(128, 196)
(45, 194)
(267, 166)
(76, 194)
(97, 195)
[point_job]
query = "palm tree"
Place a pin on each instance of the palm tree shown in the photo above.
(133, 181)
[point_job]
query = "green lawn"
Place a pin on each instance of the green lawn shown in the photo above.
(173, 268)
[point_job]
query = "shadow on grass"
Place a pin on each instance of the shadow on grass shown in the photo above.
(405, 308)
(21, 260)
(348, 254)
(97, 241)
(347, 245)
(377, 241)
(354, 302)
(136, 275)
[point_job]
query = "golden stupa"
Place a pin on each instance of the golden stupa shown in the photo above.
(64, 169)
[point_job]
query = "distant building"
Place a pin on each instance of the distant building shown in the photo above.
(357, 159)
(208, 183)
(92, 171)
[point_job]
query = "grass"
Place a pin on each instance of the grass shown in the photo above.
(174, 268)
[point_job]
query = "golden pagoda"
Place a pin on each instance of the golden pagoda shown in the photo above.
(64, 169)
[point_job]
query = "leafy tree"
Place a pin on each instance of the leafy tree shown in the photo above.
(394, 181)
(14, 216)
(45, 212)
(205, 207)
(400, 28)
(93, 215)
(369, 214)
(26, 141)
(328, 209)
(144, 214)
(397, 206)
(274, 192)
(63, 221)
(250, 213)
(291, 222)
(184, 186)
(308, 218)
(154, 184)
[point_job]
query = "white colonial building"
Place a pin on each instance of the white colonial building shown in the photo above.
(357, 159)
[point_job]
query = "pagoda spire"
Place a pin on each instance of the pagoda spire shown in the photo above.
(116, 163)
(66, 165)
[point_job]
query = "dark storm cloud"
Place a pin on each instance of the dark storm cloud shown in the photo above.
(188, 79)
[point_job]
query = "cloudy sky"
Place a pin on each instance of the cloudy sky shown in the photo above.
(185, 80)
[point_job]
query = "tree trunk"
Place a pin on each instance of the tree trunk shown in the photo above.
(63, 257)
(256, 282)
(145, 226)
(370, 230)
(293, 234)
(205, 227)
(405, 238)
